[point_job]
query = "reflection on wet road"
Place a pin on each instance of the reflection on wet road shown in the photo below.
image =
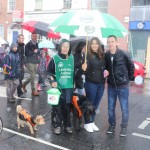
(44, 138)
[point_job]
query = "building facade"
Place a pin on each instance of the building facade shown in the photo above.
(11, 15)
(140, 32)
(48, 11)
(117, 8)
(139, 28)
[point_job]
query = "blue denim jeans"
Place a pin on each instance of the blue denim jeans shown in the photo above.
(122, 93)
(94, 93)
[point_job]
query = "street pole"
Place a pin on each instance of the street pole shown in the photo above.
(148, 59)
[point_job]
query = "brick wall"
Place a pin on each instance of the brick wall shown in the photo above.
(5, 16)
(120, 9)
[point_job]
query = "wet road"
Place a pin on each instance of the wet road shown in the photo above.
(138, 137)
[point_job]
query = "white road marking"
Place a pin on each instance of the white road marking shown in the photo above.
(37, 140)
(144, 124)
(23, 98)
(3, 93)
(148, 119)
(141, 135)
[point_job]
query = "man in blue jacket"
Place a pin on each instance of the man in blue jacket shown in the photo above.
(11, 71)
(121, 71)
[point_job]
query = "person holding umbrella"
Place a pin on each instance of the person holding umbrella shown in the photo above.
(61, 75)
(94, 78)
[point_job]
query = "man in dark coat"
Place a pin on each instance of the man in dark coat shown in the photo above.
(32, 60)
(20, 49)
(121, 71)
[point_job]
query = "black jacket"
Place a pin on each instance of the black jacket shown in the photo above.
(78, 61)
(31, 57)
(20, 49)
(121, 70)
(95, 69)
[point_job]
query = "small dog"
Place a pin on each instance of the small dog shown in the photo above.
(25, 118)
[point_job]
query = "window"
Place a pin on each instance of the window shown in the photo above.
(140, 2)
(100, 5)
(67, 4)
(11, 5)
(38, 4)
(2, 31)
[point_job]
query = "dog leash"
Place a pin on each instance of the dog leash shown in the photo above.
(46, 112)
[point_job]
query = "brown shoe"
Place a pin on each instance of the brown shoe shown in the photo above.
(35, 93)
(24, 87)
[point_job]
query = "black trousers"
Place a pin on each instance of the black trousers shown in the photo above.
(61, 113)
(21, 76)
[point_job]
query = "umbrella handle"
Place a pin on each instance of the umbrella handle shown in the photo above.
(86, 47)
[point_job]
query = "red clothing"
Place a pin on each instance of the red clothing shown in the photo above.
(48, 58)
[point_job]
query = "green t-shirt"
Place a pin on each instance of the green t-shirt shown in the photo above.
(64, 71)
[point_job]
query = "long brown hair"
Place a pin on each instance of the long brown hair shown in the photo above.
(100, 51)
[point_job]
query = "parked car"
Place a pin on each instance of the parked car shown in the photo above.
(139, 69)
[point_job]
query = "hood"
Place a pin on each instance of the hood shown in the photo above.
(60, 44)
(12, 46)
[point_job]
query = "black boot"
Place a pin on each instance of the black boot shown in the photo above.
(56, 119)
(68, 122)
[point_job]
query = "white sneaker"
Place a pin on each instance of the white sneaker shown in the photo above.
(88, 127)
(94, 127)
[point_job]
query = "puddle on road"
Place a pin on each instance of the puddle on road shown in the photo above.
(8, 109)
(47, 136)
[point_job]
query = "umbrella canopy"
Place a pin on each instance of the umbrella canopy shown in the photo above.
(40, 28)
(46, 44)
(91, 22)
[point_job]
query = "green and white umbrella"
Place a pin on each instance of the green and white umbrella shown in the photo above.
(89, 22)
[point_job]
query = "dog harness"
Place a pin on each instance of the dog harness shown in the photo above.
(75, 103)
(23, 115)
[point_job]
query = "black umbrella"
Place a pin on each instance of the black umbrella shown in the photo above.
(76, 40)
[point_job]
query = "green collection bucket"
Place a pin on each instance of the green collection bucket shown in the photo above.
(53, 96)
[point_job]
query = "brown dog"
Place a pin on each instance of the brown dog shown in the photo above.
(31, 121)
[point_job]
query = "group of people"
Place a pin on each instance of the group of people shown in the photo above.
(19, 57)
(66, 71)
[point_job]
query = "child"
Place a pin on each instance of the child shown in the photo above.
(42, 71)
(11, 71)
(61, 73)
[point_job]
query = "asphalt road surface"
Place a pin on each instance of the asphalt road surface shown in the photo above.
(138, 137)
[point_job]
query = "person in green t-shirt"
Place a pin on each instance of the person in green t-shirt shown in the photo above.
(61, 75)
